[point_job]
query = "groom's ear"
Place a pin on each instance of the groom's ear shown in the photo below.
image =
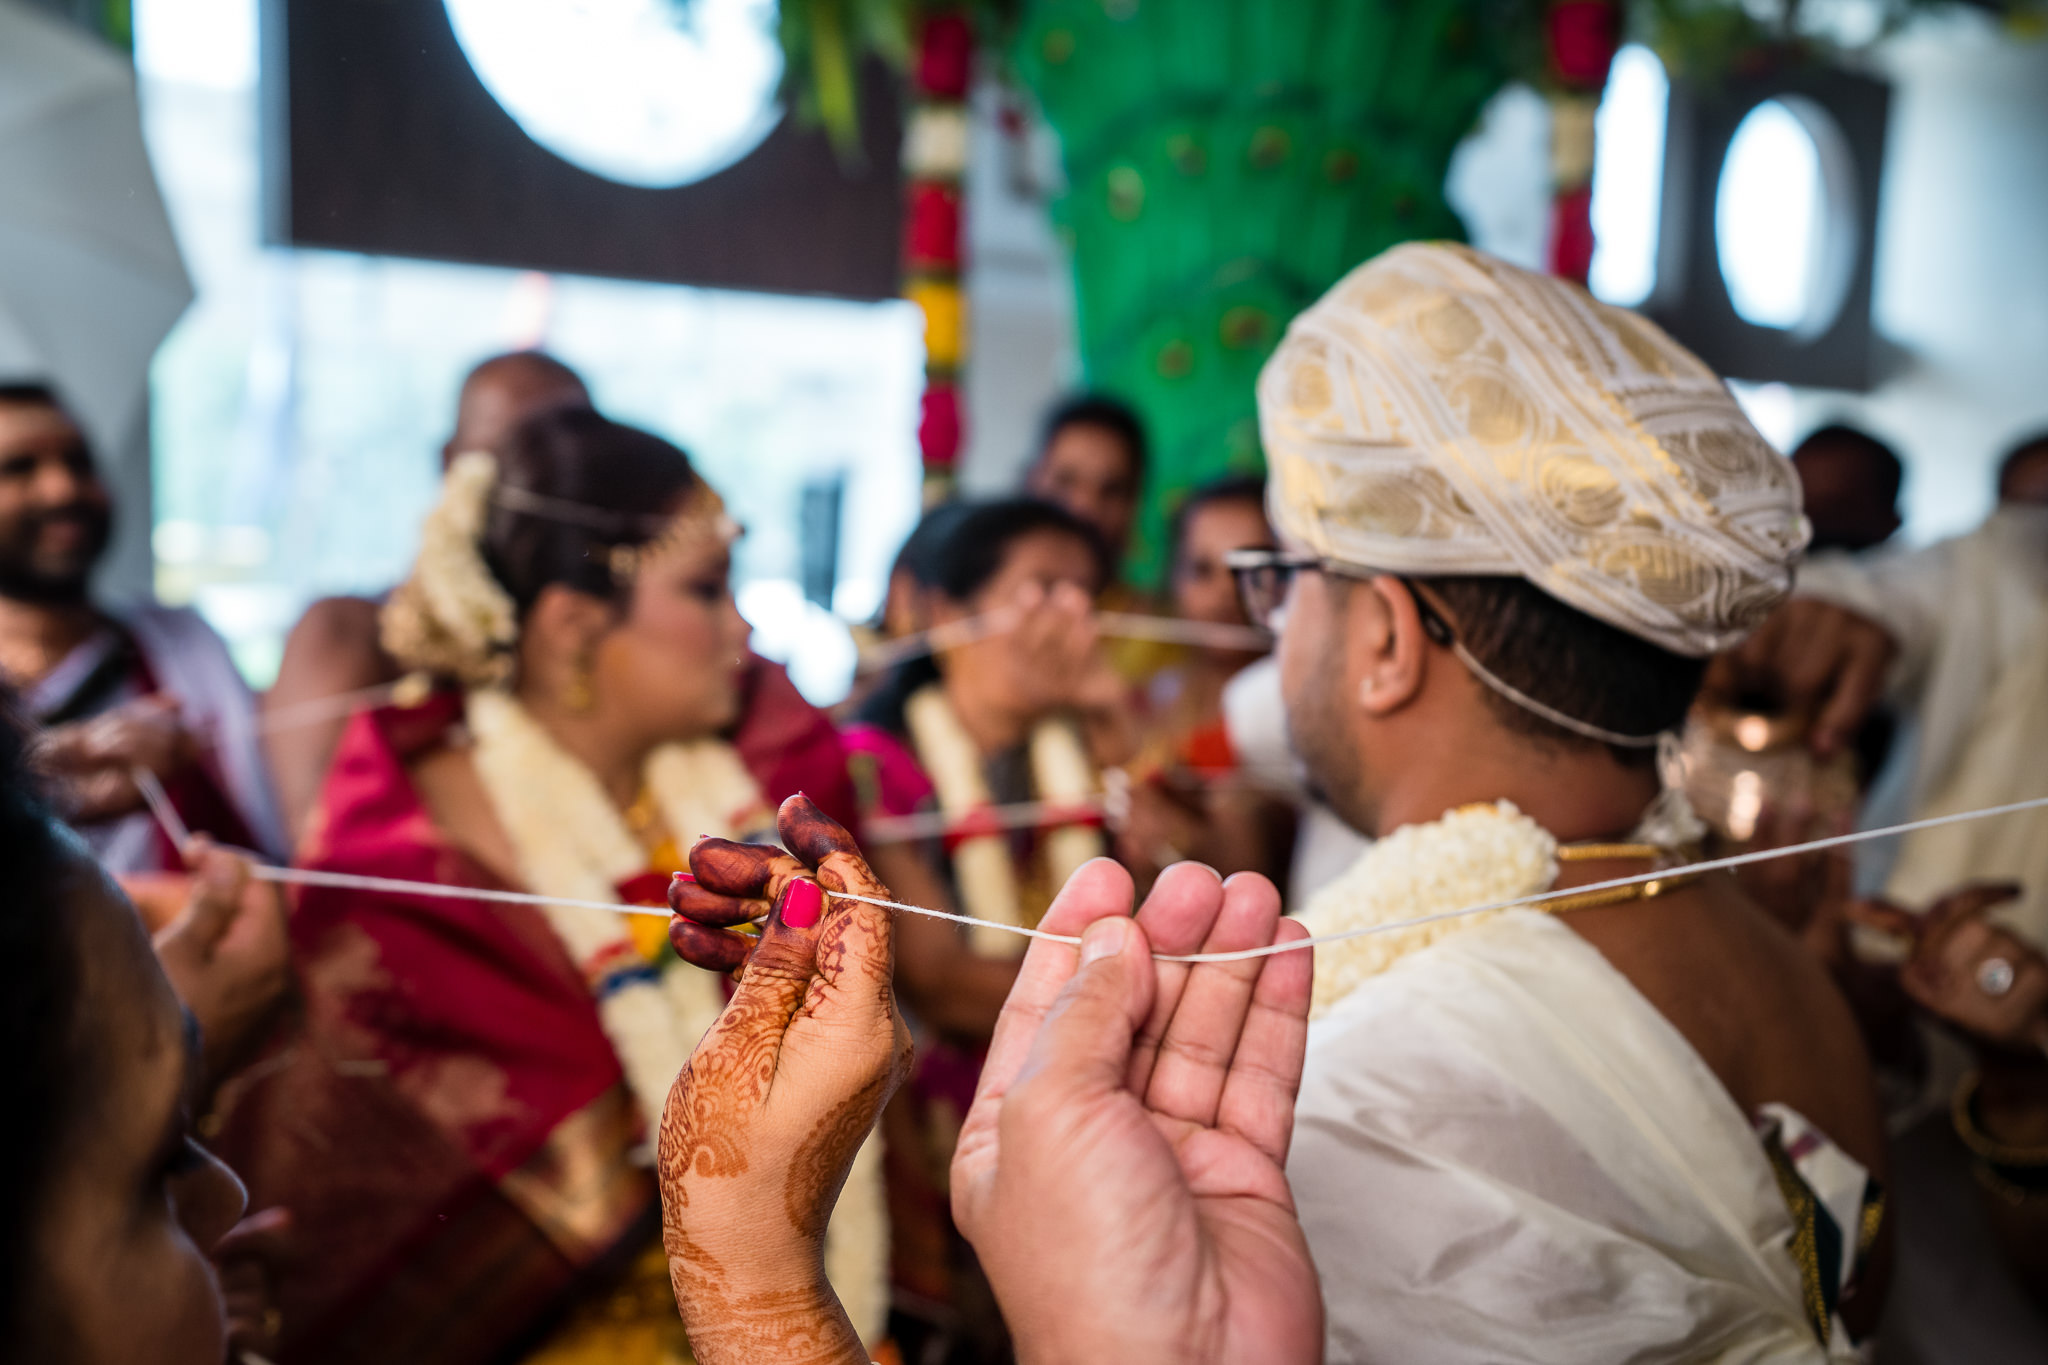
(1389, 647)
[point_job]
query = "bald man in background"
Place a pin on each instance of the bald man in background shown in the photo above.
(335, 649)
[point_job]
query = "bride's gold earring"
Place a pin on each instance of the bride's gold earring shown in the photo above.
(576, 694)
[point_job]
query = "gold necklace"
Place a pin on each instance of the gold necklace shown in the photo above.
(1613, 895)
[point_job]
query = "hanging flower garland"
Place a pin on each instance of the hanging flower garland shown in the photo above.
(1580, 39)
(935, 146)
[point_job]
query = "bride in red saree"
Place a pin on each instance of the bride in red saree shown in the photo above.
(458, 1120)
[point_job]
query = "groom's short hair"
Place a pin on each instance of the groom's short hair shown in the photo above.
(1569, 661)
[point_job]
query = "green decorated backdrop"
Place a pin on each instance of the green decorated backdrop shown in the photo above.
(1227, 161)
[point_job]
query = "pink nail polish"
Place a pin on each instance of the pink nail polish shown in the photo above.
(686, 877)
(802, 903)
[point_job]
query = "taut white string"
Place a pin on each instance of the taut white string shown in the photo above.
(1119, 625)
(314, 710)
(1661, 874)
(160, 806)
(153, 792)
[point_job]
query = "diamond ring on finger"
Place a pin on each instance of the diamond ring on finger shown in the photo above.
(1995, 976)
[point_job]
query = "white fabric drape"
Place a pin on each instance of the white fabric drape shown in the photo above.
(1503, 1152)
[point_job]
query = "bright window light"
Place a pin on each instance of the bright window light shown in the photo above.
(1768, 215)
(208, 43)
(1771, 408)
(656, 93)
(1628, 177)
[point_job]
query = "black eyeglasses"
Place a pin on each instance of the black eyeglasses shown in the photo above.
(1264, 578)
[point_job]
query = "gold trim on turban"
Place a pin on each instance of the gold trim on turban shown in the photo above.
(1443, 412)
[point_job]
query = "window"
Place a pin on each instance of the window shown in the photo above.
(1784, 218)
(300, 406)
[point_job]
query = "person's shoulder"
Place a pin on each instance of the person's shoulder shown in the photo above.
(335, 646)
(1754, 1003)
(1398, 1035)
(339, 622)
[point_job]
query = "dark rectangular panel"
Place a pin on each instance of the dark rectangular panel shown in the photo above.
(379, 138)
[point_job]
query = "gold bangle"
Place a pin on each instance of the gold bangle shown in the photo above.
(1986, 1148)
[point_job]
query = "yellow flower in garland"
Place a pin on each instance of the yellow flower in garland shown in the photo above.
(945, 321)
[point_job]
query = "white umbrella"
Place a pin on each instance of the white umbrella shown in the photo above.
(90, 275)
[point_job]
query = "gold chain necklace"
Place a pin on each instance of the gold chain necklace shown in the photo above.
(1613, 895)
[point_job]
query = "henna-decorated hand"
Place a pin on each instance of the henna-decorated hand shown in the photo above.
(764, 1121)
(1121, 1174)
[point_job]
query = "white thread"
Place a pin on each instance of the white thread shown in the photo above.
(159, 804)
(1119, 625)
(314, 710)
(1556, 717)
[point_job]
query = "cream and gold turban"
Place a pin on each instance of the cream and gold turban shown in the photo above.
(1442, 412)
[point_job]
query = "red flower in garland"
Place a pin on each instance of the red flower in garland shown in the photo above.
(932, 236)
(1571, 234)
(1583, 37)
(945, 57)
(939, 430)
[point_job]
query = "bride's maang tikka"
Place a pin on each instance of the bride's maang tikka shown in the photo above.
(701, 518)
(452, 618)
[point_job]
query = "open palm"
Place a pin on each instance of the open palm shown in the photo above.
(1121, 1173)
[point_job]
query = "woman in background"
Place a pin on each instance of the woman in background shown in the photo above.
(1029, 712)
(461, 1124)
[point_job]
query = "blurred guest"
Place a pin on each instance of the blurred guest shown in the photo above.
(1092, 459)
(1029, 712)
(1955, 637)
(1849, 482)
(950, 988)
(334, 649)
(905, 607)
(2023, 473)
(1190, 792)
(151, 688)
(457, 1127)
(109, 1208)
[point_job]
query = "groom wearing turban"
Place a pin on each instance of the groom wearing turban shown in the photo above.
(1628, 1125)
